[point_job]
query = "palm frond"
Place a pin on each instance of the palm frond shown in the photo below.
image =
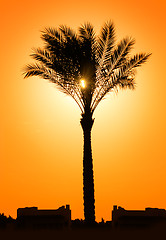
(86, 32)
(34, 70)
(42, 56)
(127, 69)
(118, 57)
(88, 40)
(122, 82)
(51, 33)
(112, 61)
(52, 76)
(105, 42)
(53, 40)
(122, 77)
(67, 32)
(137, 60)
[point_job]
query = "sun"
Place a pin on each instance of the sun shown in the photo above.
(82, 82)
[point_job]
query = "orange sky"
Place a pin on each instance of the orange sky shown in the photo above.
(40, 134)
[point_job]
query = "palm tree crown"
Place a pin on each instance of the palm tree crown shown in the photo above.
(86, 66)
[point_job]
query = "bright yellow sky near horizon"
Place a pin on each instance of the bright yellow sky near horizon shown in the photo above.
(41, 143)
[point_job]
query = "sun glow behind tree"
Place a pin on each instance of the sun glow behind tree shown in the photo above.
(129, 131)
(83, 83)
(68, 55)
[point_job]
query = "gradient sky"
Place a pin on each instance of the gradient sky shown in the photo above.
(41, 144)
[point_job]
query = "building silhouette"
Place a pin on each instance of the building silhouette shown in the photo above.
(137, 218)
(32, 217)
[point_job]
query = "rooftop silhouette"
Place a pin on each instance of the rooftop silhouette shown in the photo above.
(33, 223)
(137, 218)
(32, 217)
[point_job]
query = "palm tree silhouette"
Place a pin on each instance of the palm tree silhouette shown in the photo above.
(86, 67)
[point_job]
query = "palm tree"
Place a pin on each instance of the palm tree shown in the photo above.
(86, 67)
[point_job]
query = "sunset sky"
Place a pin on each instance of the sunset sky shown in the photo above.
(41, 142)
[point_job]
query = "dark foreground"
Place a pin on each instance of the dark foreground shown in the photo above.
(157, 232)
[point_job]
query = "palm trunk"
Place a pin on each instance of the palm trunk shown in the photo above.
(88, 180)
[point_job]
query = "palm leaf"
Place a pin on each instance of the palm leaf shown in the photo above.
(137, 60)
(42, 56)
(134, 62)
(52, 76)
(88, 41)
(67, 32)
(106, 42)
(118, 57)
(51, 33)
(86, 32)
(34, 70)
